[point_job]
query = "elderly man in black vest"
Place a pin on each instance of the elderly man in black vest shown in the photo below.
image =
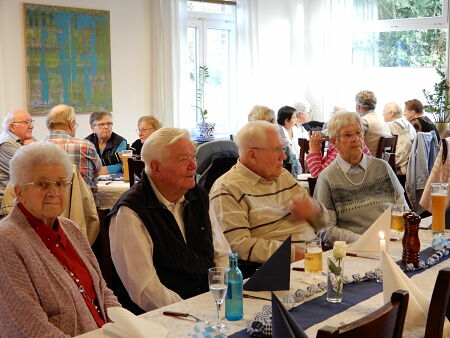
(162, 243)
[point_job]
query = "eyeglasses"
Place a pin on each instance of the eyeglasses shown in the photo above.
(349, 136)
(144, 130)
(104, 125)
(45, 185)
(26, 122)
(274, 150)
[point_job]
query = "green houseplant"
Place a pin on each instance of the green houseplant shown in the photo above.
(438, 102)
(206, 129)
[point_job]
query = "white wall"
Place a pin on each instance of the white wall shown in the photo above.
(130, 62)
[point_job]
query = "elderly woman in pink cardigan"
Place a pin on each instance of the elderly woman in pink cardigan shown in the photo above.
(51, 284)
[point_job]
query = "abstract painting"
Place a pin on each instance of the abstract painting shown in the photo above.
(68, 58)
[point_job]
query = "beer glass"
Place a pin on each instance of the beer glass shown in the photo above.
(126, 154)
(313, 258)
(397, 221)
(439, 195)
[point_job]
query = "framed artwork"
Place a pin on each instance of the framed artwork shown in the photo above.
(68, 58)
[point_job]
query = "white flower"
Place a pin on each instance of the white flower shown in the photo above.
(339, 249)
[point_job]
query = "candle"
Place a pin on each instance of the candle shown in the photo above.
(382, 241)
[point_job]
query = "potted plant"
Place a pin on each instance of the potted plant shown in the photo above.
(206, 129)
(438, 102)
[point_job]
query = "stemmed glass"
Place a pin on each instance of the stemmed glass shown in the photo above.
(218, 284)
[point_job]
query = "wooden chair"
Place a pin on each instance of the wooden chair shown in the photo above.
(135, 167)
(387, 321)
(439, 305)
(386, 144)
(304, 150)
(312, 185)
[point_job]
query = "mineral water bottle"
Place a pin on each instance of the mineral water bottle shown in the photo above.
(234, 300)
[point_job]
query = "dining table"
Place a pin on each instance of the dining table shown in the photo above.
(110, 188)
(313, 312)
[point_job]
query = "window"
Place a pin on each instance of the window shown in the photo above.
(211, 42)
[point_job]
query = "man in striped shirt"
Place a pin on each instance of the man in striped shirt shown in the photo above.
(258, 204)
(62, 125)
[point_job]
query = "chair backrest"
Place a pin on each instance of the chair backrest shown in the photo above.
(386, 144)
(439, 305)
(214, 159)
(445, 147)
(312, 185)
(304, 149)
(387, 321)
(135, 167)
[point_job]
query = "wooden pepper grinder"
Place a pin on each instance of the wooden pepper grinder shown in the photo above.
(412, 239)
(405, 235)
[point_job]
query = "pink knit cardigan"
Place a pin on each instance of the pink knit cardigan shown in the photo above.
(37, 296)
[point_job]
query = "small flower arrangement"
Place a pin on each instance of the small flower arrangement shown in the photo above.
(336, 272)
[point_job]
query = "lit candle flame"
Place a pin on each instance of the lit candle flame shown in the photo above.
(381, 234)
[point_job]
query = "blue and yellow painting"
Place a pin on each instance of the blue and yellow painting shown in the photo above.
(68, 58)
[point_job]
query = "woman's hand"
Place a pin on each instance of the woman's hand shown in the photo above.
(315, 142)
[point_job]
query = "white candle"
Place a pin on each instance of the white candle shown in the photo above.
(382, 241)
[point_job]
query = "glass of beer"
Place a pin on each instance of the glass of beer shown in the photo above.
(397, 221)
(126, 154)
(439, 195)
(313, 257)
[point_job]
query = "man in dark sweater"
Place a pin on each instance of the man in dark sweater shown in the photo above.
(162, 243)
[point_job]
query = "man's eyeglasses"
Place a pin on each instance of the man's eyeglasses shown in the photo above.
(144, 130)
(274, 150)
(104, 125)
(26, 122)
(45, 185)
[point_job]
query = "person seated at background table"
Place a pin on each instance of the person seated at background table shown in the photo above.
(162, 243)
(405, 132)
(355, 188)
(17, 131)
(62, 126)
(286, 119)
(262, 113)
(301, 128)
(258, 204)
(107, 143)
(314, 160)
(146, 126)
(414, 114)
(45, 261)
(373, 124)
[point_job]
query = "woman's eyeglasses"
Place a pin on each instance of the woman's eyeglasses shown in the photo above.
(45, 185)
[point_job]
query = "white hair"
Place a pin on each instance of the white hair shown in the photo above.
(340, 120)
(154, 147)
(393, 107)
(8, 119)
(302, 106)
(254, 134)
(60, 115)
(27, 158)
(262, 113)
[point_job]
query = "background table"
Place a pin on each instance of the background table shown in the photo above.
(109, 192)
(203, 305)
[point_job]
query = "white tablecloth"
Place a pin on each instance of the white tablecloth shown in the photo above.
(109, 192)
(203, 305)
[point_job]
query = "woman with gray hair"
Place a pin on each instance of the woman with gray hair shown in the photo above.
(405, 132)
(355, 188)
(373, 124)
(147, 125)
(51, 282)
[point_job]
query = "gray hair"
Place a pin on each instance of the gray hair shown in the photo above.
(60, 115)
(35, 154)
(394, 108)
(97, 116)
(154, 147)
(366, 99)
(302, 107)
(151, 121)
(254, 134)
(261, 113)
(340, 120)
(7, 120)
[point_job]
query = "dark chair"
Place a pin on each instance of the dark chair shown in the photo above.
(214, 159)
(387, 321)
(312, 185)
(135, 167)
(304, 150)
(439, 305)
(386, 149)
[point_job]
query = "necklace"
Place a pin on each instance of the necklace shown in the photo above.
(348, 178)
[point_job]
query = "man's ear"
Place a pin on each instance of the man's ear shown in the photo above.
(155, 168)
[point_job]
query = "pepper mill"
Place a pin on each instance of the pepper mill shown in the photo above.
(405, 235)
(412, 239)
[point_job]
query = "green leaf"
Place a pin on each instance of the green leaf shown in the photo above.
(334, 268)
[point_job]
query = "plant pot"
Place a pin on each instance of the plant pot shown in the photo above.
(206, 130)
(441, 126)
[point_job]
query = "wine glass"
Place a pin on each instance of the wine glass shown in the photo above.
(218, 284)
(313, 259)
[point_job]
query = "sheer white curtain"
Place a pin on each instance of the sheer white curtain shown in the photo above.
(168, 40)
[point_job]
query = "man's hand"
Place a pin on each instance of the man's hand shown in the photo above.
(304, 208)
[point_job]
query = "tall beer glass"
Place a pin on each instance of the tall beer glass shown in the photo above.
(313, 256)
(439, 195)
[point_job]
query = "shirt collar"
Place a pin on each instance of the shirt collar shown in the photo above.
(14, 136)
(367, 112)
(59, 132)
(251, 176)
(345, 166)
(162, 199)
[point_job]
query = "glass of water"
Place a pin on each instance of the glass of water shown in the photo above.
(218, 282)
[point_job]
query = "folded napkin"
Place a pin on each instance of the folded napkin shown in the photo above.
(127, 325)
(275, 273)
(283, 324)
(368, 245)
